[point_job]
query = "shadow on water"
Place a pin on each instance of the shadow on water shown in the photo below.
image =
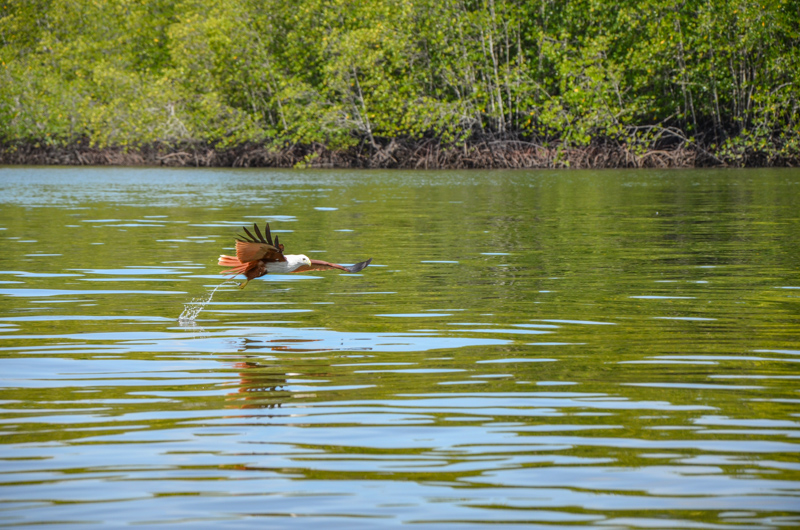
(538, 349)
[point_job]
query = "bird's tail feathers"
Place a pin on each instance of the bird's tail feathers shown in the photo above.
(237, 267)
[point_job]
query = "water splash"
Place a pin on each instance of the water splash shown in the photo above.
(193, 308)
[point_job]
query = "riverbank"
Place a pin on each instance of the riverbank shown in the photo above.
(526, 84)
(426, 154)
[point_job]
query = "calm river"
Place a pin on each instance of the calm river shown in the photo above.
(542, 349)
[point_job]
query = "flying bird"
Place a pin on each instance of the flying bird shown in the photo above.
(257, 255)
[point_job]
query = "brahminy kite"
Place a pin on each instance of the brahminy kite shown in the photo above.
(258, 255)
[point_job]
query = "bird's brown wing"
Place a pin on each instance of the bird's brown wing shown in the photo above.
(247, 251)
(318, 265)
(259, 237)
(258, 247)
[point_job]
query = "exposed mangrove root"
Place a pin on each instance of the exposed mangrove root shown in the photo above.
(501, 153)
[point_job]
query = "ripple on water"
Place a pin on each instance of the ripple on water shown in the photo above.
(422, 390)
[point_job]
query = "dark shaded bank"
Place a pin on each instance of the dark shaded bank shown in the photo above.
(426, 154)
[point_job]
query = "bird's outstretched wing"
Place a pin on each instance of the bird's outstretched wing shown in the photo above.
(318, 265)
(253, 248)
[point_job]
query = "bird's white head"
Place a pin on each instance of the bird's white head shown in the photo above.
(293, 262)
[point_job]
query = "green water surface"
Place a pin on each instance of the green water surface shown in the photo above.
(547, 349)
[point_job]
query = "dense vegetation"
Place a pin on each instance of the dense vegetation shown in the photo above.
(719, 78)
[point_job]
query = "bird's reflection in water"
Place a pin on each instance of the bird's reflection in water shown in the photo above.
(264, 381)
(260, 385)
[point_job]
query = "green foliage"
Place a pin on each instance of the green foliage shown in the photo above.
(342, 72)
